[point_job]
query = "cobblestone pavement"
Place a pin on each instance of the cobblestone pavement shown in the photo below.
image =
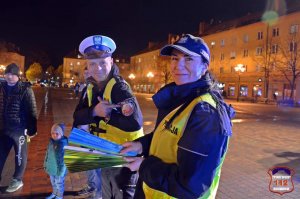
(255, 147)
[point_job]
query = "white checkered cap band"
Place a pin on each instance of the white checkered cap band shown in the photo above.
(97, 40)
(204, 54)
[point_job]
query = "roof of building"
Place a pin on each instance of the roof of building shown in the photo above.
(151, 47)
(219, 26)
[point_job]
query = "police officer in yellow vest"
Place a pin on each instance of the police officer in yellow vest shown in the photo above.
(183, 156)
(111, 110)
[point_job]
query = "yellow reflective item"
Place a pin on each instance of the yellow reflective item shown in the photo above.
(164, 143)
(113, 133)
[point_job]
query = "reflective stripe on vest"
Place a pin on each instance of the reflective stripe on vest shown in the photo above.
(113, 133)
(164, 146)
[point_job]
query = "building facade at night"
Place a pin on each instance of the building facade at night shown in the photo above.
(255, 60)
(73, 68)
(252, 58)
(150, 70)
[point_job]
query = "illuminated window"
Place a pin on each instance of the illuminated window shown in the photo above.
(245, 53)
(222, 42)
(243, 91)
(274, 49)
(231, 90)
(259, 50)
(221, 69)
(260, 35)
(222, 56)
(232, 55)
(293, 46)
(275, 32)
(294, 28)
(257, 91)
(246, 38)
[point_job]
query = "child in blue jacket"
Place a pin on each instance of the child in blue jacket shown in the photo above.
(54, 160)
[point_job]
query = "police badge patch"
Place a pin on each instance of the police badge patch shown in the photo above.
(281, 180)
(97, 40)
(127, 108)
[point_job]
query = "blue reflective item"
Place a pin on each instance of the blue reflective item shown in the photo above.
(82, 138)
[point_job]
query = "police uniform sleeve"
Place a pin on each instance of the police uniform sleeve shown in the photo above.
(200, 150)
(122, 94)
(30, 111)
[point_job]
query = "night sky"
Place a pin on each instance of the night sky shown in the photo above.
(56, 27)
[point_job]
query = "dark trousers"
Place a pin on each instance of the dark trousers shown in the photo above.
(18, 141)
(118, 183)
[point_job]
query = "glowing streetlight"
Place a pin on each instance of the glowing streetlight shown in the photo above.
(240, 68)
(150, 75)
(131, 76)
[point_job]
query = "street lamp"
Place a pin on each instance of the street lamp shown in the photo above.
(240, 68)
(2, 69)
(131, 76)
(150, 75)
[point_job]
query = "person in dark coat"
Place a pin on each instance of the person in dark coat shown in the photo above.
(18, 121)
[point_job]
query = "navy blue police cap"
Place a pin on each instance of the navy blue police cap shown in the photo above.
(190, 45)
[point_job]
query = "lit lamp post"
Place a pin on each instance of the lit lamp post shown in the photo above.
(150, 75)
(240, 68)
(131, 76)
(2, 69)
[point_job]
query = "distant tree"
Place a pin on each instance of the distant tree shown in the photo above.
(163, 67)
(266, 57)
(34, 72)
(59, 71)
(289, 65)
(50, 70)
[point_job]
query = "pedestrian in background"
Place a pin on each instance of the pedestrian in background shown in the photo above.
(18, 121)
(76, 89)
(183, 157)
(54, 161)
(111, 110)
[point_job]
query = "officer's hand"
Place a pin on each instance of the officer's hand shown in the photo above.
(134, 163)
(103, 108)
(132, 146)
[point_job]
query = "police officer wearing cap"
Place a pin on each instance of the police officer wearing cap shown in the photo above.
(183, 157)
(111, 110)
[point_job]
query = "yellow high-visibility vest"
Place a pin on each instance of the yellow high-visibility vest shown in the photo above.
(113, 133)
(164, 146)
